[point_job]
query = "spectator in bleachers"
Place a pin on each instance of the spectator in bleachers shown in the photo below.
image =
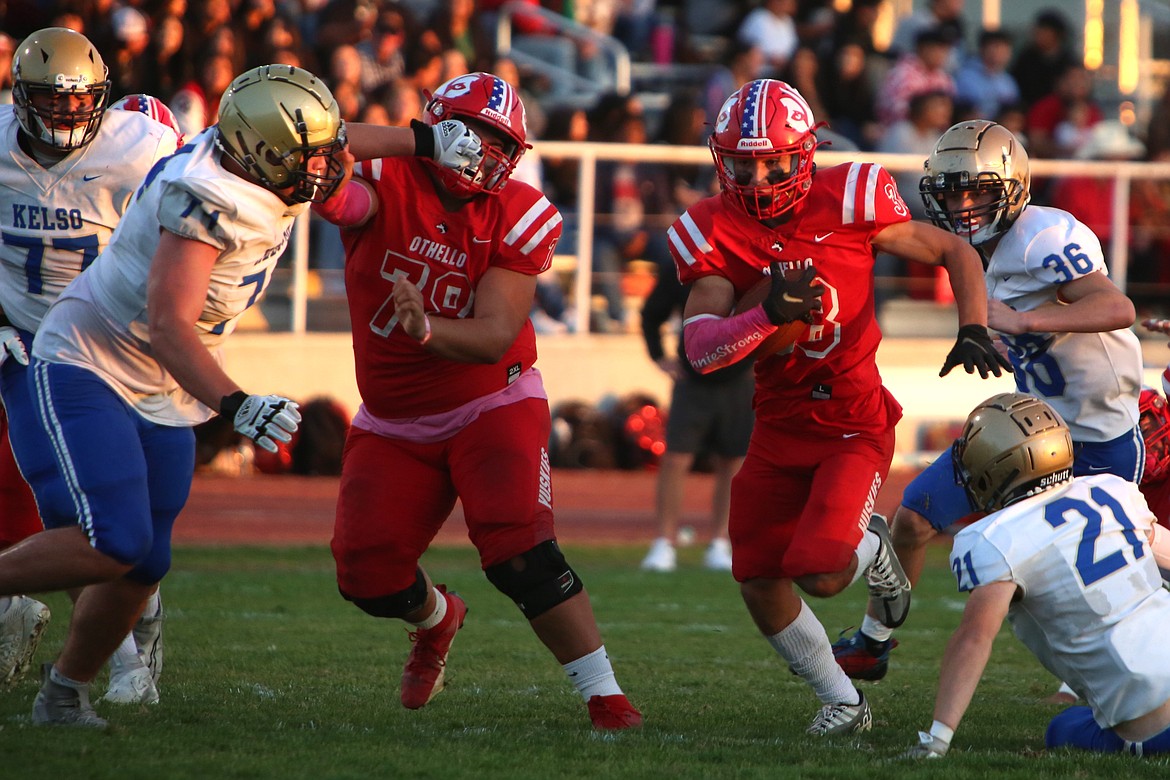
(456, 24)
(923, 70)
(1149, 240)
(982, 81)
(945, 15)
(770, 28)
(928, 118)
(1059, 121)
(815, 21)
(424, 63)
(381, 53)
(129, 69)
(7, 49)
(249, 23)
(167, 57)
(402, 101)
(1158, 130)
(636, 22)
(1048, 53)
(847, 92)
(280, 34)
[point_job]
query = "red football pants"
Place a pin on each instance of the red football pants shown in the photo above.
(396, 494)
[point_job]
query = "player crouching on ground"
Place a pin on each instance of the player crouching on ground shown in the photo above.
(1072, 563)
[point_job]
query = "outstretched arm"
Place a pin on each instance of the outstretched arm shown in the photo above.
(965, 659)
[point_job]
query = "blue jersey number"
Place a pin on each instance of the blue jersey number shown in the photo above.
(1037, 372)
(86, 245)
(1090, 568)
(1071, 259)
(256, 279)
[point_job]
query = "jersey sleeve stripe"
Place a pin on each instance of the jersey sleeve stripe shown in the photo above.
(540, 234)
(681, 248)
(374, 169)
(526, 222)
(695, 234)
(870, 207)
(848, 200)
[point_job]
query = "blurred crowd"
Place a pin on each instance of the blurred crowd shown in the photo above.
(382, 58)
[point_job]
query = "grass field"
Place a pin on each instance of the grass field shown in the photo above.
(269, 674)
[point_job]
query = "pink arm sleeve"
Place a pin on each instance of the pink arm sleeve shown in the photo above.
(714, 342)
(348, 207)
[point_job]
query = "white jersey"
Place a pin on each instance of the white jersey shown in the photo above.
(1092, 379)
(54, 221)
(1093, 610)
(100, 321)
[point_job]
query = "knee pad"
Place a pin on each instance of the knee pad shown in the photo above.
(536, 580)
(395, 605)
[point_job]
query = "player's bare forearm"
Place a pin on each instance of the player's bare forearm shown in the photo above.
(969, 649)
(1096, 313)
(965, 270)
(186, 358)
(368, 142)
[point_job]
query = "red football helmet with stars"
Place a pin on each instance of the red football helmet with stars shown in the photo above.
(483, 101)
(1154, 421)
(765, 120)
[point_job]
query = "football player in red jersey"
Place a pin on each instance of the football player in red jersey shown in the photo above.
(441, 269)
(801, 505)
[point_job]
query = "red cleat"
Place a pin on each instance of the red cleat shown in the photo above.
(612, 713)
(426, 667)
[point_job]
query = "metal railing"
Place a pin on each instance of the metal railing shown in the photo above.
(1122, 173)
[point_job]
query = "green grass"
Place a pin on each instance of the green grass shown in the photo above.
(269, 674)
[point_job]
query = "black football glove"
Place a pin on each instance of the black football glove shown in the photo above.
(791, 300)
(973, 348)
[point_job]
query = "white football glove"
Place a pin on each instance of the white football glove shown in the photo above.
(929, 746)
(266, 419)
(12, 346)
(457, 146)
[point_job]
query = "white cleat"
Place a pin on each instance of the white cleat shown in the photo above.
(718, 555)
(131, 683)
(21, 627)
(661, 557)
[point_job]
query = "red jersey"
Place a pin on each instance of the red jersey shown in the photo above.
(444, 254)
(829, 378)
(1158, 498)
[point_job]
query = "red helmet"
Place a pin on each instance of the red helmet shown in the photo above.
(1154, 420)
(153, 108)
(765, 120)
(487, 101)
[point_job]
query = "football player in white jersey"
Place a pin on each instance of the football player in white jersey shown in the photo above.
(1065, 325)
(1072, 563)
(68, 168)
(126, 360)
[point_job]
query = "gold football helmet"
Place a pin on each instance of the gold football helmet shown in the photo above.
(976, 157)
(274, 120)
(1012, 446)
(60, 88)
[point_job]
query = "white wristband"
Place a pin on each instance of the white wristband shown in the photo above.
(427, 331)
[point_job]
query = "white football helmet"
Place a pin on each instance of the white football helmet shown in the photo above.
(273, 120)
(1012, 446)
(976, 156)
(48, 65)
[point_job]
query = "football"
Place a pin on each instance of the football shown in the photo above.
(784, 336)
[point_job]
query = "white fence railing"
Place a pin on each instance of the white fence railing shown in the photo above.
(1123, 173)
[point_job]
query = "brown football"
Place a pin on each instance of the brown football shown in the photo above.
(784, 336)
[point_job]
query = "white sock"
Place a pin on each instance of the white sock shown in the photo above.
(127, 652)
(592, 675)
(875, 629)
(153, 606)
(68, 682)
(437, 616)
(866, 554)
(805, 646)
